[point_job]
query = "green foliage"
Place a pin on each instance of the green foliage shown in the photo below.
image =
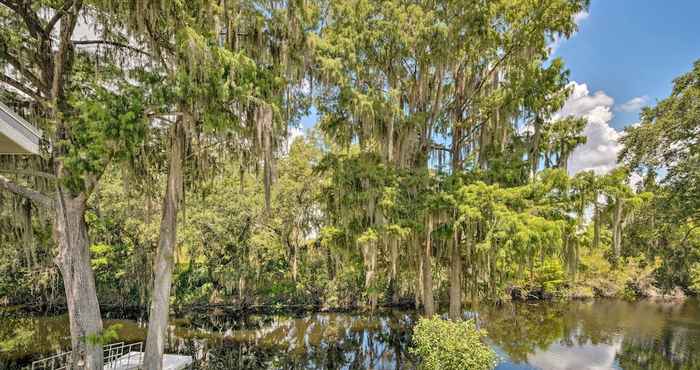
(449, 345)
(695, 278)
(551, 276)
(108, 335)
(666, 141)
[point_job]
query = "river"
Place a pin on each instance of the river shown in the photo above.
(597, 334)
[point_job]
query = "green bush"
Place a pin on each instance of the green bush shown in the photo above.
(550, 276)
(451, 345)
(695, 278)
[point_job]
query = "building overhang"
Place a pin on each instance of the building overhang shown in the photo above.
(17, 136)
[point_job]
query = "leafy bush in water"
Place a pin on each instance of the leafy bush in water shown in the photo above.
(448, 345)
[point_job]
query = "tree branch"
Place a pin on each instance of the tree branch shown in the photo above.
(110, 43)
(30, 18)
(62, 54)
(31, 194)
(56, 17)
(440, 147)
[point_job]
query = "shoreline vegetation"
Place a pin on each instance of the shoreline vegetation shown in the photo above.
(581, 292)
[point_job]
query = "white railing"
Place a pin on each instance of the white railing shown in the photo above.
(59, 361)
(124, 357)
(116, 356)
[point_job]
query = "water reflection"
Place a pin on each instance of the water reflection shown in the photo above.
(319, 341)
(25, 339)
(604, 334)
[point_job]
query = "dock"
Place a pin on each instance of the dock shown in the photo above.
(133, 360)
(117, 356)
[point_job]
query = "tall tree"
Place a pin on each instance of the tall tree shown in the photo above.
(62, 83)
(399, 86)
(234, 67)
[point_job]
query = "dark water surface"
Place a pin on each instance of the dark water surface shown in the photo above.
(600, 334)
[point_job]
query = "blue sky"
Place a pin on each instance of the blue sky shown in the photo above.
(633, 48)
(625, 56)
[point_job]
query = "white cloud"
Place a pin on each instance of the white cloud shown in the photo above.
(600, 151)
(588, 356)
(634, 104)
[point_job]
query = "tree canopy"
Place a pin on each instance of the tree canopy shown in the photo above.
(437, 171)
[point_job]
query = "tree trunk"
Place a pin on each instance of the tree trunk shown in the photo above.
(370, 270)
(428, 303)
(331, 264)
(564, 162)
(455, 279)
(455, 255)
(596, 225)
(418, 291)
(241, 288)
(617, 229)
(534, 154)
(394, 271)
(295, 262)
(73, 261)
(160, 303)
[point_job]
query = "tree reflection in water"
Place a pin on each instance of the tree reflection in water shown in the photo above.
(318, 341)
(602, 334)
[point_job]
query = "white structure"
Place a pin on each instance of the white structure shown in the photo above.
(133, 361)
(17, 136)
(117, 356)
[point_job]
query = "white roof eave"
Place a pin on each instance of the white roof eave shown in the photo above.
(17, 136)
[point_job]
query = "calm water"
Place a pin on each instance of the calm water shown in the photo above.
(602, 334)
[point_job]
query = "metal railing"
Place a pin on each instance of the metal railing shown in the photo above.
(59, 361)
(124, 357)
(116, 356)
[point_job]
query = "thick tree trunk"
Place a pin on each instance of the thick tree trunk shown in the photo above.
(428, 302)
(455, 280)
(160, 303)
(73, 260)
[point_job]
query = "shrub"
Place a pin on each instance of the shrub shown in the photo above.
(695, 278)
(448, 345)
(550, 276)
